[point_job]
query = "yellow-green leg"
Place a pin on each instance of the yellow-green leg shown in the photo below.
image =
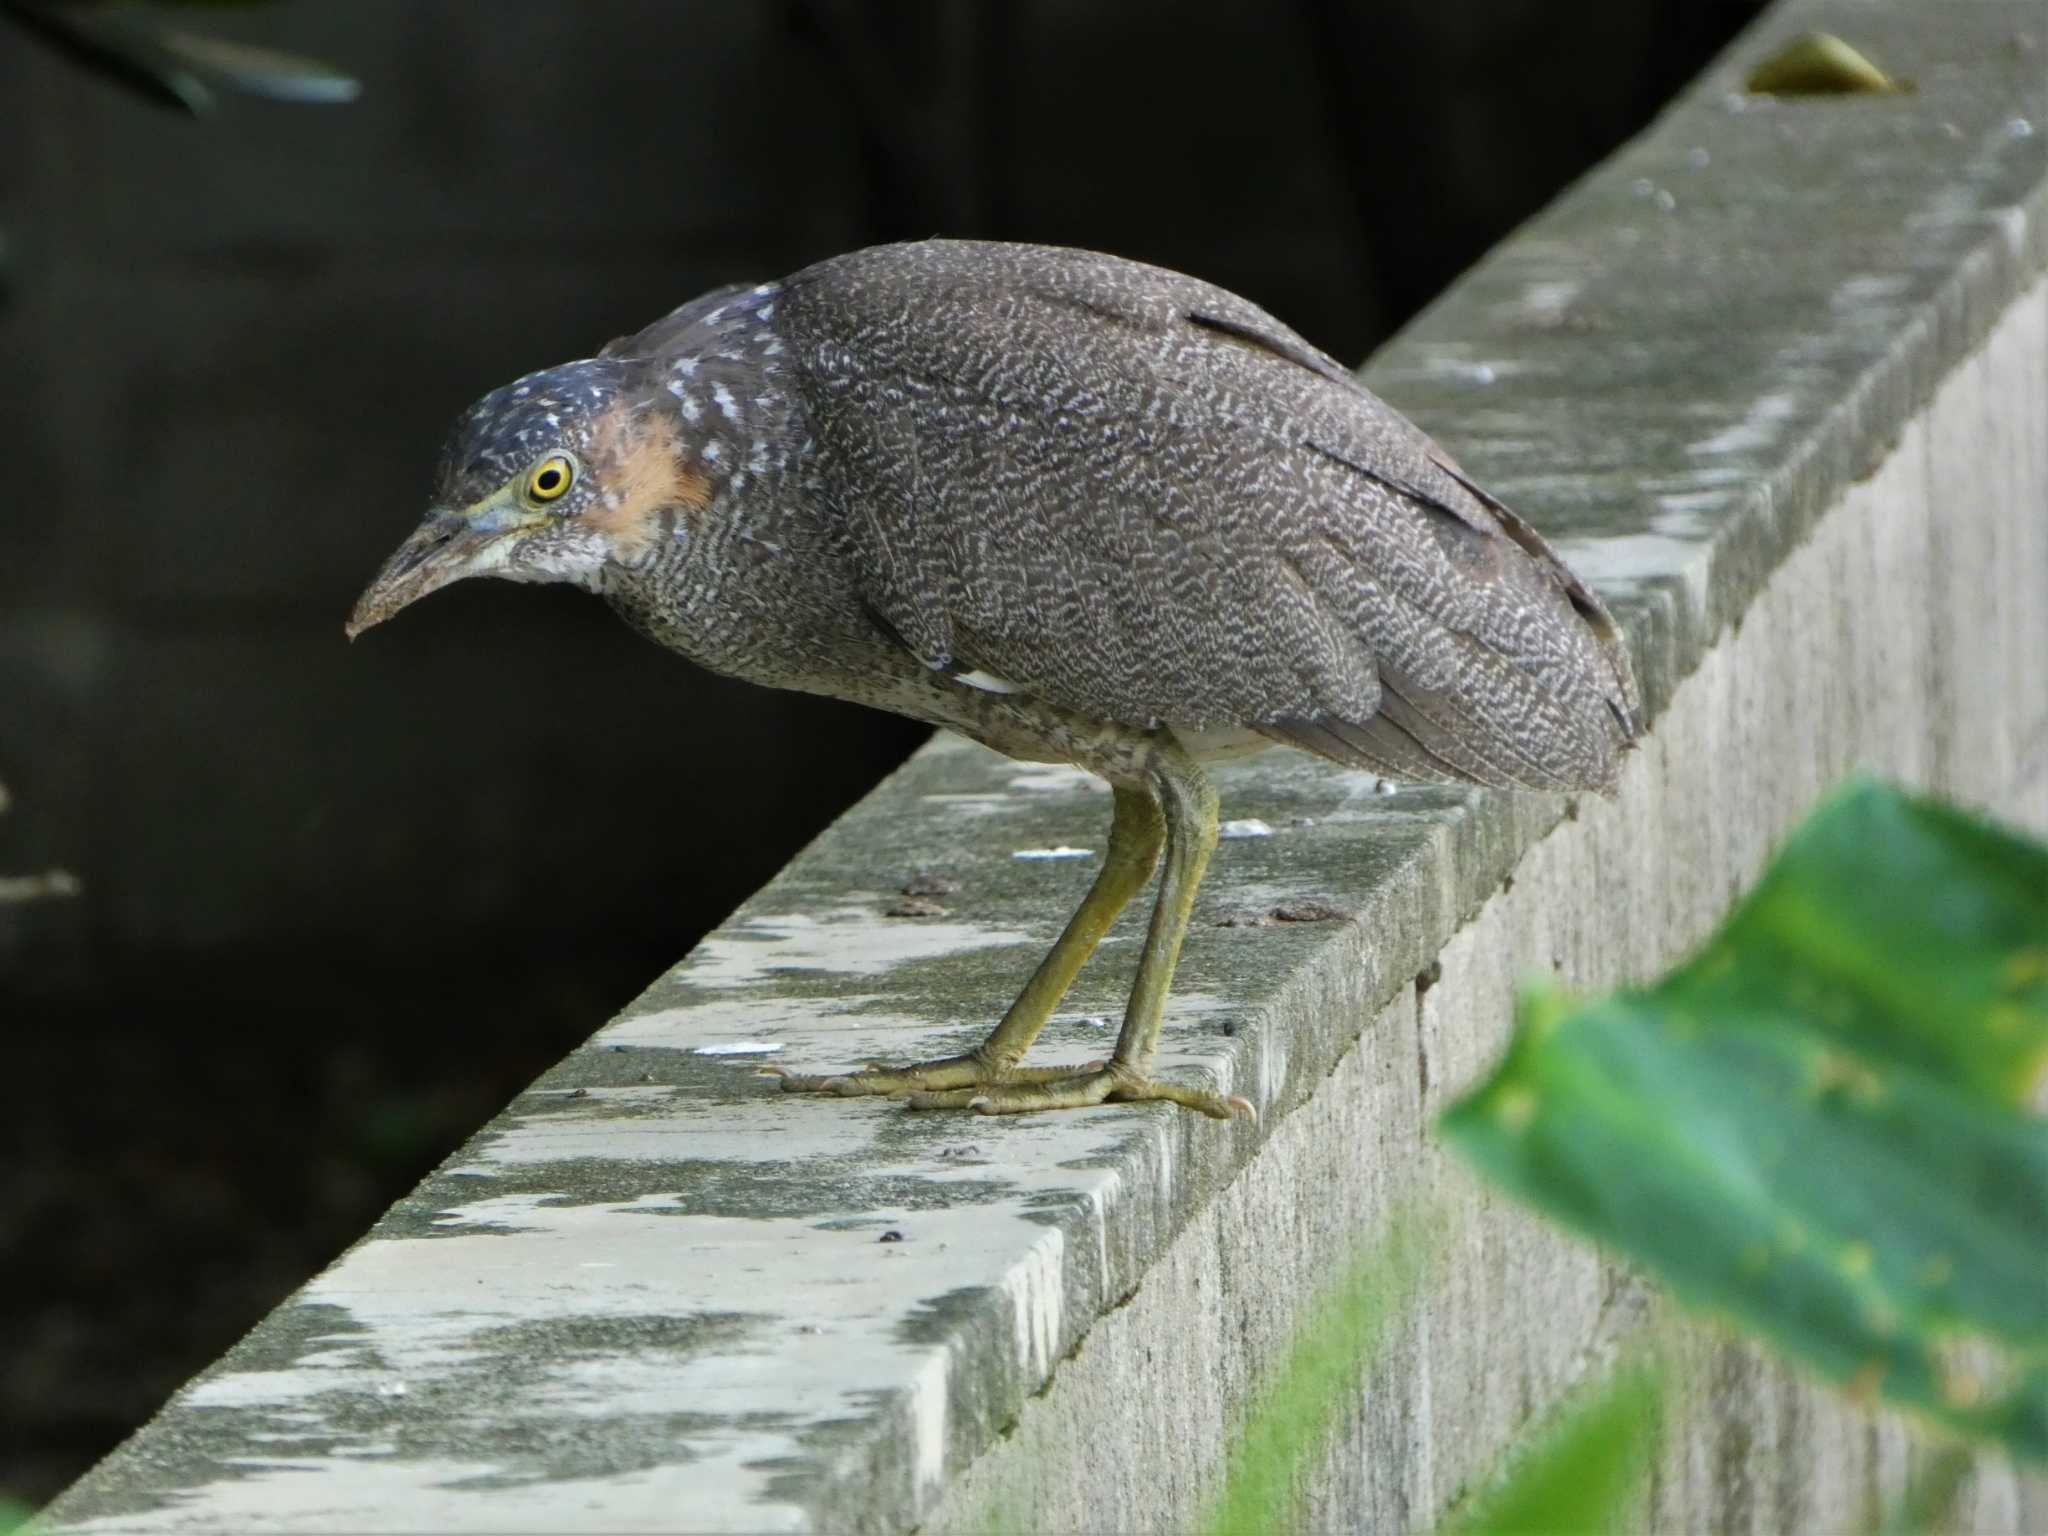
(1188, 802)
(1136, 833)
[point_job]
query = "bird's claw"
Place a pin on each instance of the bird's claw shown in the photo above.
(971, 1083)
(1078, 1088)
(844, 1084)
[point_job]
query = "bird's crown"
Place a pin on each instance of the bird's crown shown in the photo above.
(514, 427)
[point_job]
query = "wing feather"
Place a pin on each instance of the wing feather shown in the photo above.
(1140, 497)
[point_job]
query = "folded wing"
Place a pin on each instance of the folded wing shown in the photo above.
(1142, 498)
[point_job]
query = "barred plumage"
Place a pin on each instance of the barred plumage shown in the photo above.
(1079, 508)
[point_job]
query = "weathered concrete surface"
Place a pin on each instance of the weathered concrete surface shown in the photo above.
(1796, 422)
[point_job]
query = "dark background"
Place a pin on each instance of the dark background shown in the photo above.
(339, 903)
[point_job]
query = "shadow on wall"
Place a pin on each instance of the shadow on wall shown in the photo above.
(338, 903)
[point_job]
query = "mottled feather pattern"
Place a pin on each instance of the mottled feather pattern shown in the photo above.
(503, 432)
(1126, 495)
(1028, 444)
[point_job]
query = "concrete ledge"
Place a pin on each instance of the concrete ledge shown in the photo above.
(1777, 378)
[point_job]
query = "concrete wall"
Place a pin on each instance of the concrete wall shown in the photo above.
(1777, 379)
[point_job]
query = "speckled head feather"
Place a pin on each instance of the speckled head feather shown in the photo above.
(656, 429)
(515, 425)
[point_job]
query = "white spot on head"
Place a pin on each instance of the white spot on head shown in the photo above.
(722, 397)
(771, 348)
(767, 311)
(713, 453)
(762, 289)
(684, 367)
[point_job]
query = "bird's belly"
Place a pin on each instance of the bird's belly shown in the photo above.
(1221, 743)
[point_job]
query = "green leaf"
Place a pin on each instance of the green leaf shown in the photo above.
(261, 71)
(1293, 1419)
(175, 69)
(1583, 1473)
(108, 46)
(1929, 1505)
(1820, 64)
(1817, 1128)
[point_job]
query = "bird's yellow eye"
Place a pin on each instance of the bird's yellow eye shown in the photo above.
(550, 477)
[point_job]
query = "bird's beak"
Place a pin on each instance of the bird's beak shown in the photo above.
(446, 547)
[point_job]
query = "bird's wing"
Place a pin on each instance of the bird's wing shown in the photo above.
(1140, 497)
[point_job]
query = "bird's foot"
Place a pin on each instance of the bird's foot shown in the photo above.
(968, 1074)
(975, 1083)
(1078, 1088)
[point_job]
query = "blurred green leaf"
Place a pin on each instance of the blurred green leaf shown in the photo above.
(1929, 1505)
(1584, 1471)
(261, 71)
(1293, 1419)
(1821, 64)
(1818, 1127)
(175, 69)
(109, 47)
(13, 1515)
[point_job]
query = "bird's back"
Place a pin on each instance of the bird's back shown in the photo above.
(1139, 497)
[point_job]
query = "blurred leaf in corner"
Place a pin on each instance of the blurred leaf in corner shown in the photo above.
(171, 67)
(1291, 1422)
(1823, 1127)
(1587, 1468)
(13, 1516)
(1821, 64)
(1929, 1505)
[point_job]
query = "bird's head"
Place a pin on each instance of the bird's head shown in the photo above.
(558, 476)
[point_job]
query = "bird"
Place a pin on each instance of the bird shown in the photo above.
(1075, 507)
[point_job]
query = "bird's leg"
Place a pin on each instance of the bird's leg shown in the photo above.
(1188, 801)
(1136, 832)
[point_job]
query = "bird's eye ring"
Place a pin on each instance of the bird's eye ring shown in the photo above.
(551, 477)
